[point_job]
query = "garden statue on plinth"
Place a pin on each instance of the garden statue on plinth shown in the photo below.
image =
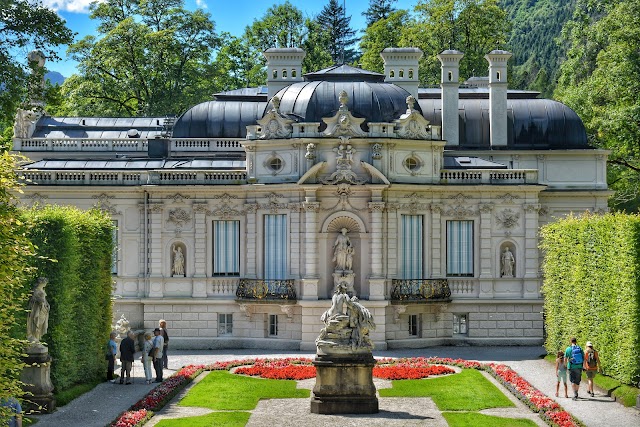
(36, 375)
(344, 363)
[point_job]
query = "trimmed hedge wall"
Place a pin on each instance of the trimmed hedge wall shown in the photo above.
(74, 249)
(592, 288)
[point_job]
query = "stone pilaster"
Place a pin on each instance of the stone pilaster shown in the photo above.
(250, 240)
(310, 251)
(156, 254)
(200, 240)
(376, 209)
(436, 242)
(531, 286)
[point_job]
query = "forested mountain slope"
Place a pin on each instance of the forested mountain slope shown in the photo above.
(536, 26)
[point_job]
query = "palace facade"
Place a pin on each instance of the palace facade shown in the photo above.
(237, 221)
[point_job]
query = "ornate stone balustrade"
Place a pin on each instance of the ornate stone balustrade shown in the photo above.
(171, 177)
(464, 287)
(120, 145)
(489, 176)
(258, 289)
(420, 290)
(222, 287)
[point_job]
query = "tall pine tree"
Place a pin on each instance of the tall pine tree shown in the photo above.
(334, 21)
(378, 9)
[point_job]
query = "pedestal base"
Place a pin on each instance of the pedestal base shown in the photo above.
(344, 385)
(36, 376)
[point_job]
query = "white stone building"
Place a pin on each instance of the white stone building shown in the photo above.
(227, 219)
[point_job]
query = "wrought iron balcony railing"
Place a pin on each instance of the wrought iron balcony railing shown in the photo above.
(420, 290)
(266, 290)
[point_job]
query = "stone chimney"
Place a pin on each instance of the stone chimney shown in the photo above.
(449, 83)
(401, 67)
(284, 67)
(498, 96)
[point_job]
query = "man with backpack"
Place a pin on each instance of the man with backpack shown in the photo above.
(574, 356)
(591, 366)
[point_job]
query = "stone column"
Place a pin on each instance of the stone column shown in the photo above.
(486, 251)
(436, 242)
(156, 254)
(531, 286)
(199, 289)
(250, 240)
(310, 252)
(376, 282)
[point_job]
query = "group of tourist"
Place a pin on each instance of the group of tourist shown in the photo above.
(576, 360)
(154, 353)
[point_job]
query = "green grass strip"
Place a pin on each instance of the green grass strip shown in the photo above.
(221, 390)
(466, 391)
(66, 396)
(218, 419)
(473, 419)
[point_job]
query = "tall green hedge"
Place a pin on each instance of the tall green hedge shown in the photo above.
(75, 255)
(592, 288)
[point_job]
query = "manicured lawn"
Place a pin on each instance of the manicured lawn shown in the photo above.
(466, 391)
(472, 419)
(218, 419)
(221, 390)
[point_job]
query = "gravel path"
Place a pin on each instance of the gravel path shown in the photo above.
(101, 405)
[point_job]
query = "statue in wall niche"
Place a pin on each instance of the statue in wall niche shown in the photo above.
(38, 320)
(122, 326)
(178, 261)
(507, 262)
(347, 325)
(343, 251)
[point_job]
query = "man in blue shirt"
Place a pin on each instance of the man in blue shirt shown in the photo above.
(14, 405)
(112, 349)
(574, 356)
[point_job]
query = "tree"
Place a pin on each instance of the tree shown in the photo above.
(600, 80)
(149, 58)
(474, 27)
(337, 24)
(15, 251)
(386, 32)
(378, 9)
(24, 25)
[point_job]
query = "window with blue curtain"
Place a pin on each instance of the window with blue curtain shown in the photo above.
(460, 248)
(226, 248)
(412, 247)
(275, 247)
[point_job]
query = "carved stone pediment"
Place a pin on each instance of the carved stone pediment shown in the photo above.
(343, 123)
(274, 125)
(412, 125)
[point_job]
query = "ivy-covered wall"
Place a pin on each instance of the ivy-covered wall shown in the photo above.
(592, 288)
(74, 252)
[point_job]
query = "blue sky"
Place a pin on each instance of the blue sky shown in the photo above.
(229, 15)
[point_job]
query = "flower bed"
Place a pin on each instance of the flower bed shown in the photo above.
(142, 410)
(387, 368)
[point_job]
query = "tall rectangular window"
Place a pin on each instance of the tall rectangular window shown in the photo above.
(412, 247)
(114, 242)
(275, 247)
(225, 323)
(226, 248)
(414, 326)
(460, 324)
(273, 324)
(460, 248)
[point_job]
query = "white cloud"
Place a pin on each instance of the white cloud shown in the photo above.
(78, 6)
(202, 4)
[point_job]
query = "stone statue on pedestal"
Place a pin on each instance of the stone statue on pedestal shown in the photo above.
(38, 320)
(507, 263)
(342, 251)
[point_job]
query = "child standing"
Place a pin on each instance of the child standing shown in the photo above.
(146, 359)
(561, 373)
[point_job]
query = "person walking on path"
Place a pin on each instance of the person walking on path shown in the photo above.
(165, 335)
(575, 359)
(112, 349)
(15, 417)
(147, 359)
(561, 373)
(158, 345)
(127, 350)
(591, 366)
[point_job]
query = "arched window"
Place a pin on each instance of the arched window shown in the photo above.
(401, 73)
(275, 74)
(293, 73)
(392, 74)
(284, 74)
(450, 76)
(411, 73)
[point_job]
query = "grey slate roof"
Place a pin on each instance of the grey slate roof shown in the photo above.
(98, 127)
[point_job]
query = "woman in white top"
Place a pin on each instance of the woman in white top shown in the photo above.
(146, 359)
